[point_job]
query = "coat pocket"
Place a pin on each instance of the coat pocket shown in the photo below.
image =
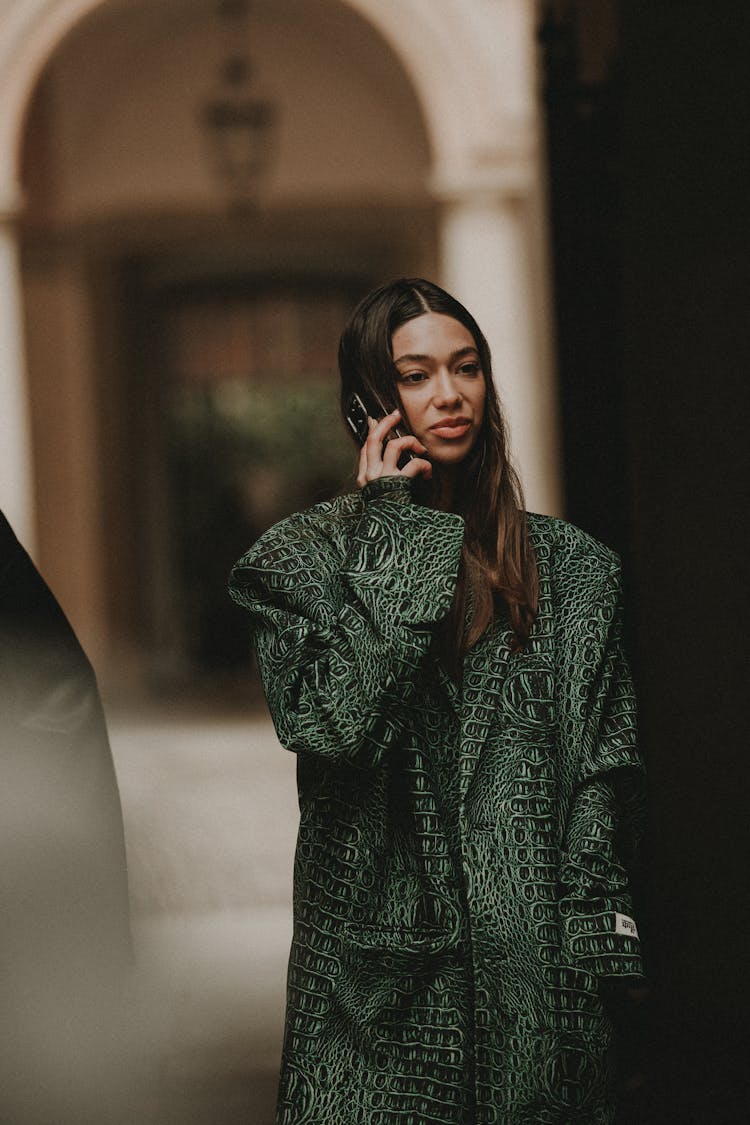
(400, 941)
(402, 912)
(402, 996)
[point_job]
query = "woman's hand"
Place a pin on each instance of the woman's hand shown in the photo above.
(376, 461)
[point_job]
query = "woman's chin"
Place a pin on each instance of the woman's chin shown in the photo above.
(450, 456)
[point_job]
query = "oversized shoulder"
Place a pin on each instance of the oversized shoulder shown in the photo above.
(315, 538)
(565, 549)
(580, 575)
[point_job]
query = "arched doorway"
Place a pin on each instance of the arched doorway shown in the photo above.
(397, 158)
(167, 330)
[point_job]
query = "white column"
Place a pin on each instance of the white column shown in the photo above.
(488, 249)
(16, 479)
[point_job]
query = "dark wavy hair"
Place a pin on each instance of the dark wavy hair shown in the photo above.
(498, 561)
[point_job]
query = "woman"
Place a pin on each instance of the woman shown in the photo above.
(450, 674)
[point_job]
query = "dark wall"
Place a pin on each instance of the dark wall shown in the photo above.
(650, 189)
(686, 362)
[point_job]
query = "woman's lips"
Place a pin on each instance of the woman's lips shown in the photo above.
(449, 429)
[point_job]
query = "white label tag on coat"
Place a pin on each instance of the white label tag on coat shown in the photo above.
(625, 926)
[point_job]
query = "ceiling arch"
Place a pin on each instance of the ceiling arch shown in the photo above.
(469, 69)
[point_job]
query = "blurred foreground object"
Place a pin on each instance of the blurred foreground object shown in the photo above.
(65, 949)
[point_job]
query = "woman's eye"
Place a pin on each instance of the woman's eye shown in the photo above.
(413, 377)
(469, 369)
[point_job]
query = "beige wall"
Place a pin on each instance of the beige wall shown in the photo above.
(65, 434)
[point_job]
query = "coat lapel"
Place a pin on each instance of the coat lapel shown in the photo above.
(485, 668)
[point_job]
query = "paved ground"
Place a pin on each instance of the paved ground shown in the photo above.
(210, 814)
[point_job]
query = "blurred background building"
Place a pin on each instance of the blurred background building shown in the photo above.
(193, 194)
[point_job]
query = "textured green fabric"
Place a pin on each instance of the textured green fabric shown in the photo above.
(462, 852)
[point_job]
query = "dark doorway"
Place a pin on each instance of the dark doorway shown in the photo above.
(237, 387)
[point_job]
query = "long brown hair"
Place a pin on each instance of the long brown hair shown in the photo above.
(498, 571)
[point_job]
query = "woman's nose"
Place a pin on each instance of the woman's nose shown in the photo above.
(447, 392)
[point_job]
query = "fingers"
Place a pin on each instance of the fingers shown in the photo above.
(417, 467)
(394, 449)
(379, 456)
(378, 434)
(373, 447)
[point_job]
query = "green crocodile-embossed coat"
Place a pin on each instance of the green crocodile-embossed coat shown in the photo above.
(460, 880)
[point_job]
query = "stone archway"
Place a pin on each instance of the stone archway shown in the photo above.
(473, 72)
(480, 115)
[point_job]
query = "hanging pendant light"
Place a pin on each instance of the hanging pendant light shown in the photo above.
(240, 126)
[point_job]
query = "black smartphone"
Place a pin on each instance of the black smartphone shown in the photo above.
(356, 416)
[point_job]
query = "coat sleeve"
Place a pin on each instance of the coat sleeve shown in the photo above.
(341, 634)
(605, 819)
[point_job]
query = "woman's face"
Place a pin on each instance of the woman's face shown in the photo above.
(441, 385)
